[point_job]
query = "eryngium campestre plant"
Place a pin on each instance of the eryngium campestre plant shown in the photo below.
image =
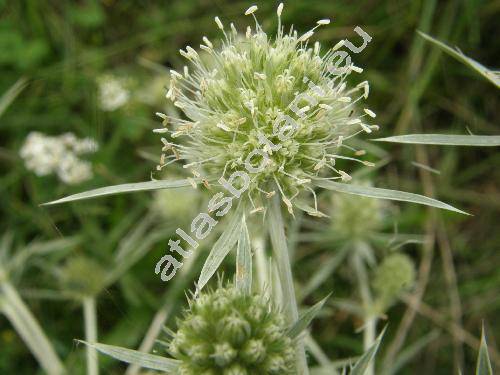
(228, 332)
(234, 95)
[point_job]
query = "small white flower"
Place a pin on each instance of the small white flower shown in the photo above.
(45, 155)
(113, 93)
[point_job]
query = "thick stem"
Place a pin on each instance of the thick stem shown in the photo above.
(29, 329)
(280, 251)
(90, 319)
(369, 320)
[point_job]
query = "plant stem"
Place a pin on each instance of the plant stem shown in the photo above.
(369, 320)
(29, 329)
(280, 251)
(260, 262)
(90, 318)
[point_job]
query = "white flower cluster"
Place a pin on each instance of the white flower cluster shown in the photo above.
(45, 155)
(113, 92)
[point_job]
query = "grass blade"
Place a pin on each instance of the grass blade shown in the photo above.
(11, 94)
(244, 260)
(220, 249)
(120, 189)
(29, 329)
(306, 318)
(483, 366)
(146, 360)
(396, 195)
(445, 139)
(367, 358)
(491, 76)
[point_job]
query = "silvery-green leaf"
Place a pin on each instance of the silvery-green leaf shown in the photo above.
(365, 360)
(244, 260)
(445, 139)
(396, 195)
(483, 366)
(123, 188)
(28, 328)
(493, 77)
(146, 360)
(220, 249)
(306, 318)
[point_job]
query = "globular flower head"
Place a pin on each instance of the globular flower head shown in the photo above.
(82, 276)
(231, 333)
(393, 276)
(356, 217)
(278, 108)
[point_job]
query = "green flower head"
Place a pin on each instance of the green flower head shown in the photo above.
(230, 333)
(82, 276)
(278, 107)
(354, 217)
(393, 276)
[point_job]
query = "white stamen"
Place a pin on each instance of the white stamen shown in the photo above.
(175, 73)
(251, 10)
(219, 23)
(208, 42)
(338, 45)
(344, 176)
(280, 9)
(352, 122)
(370, 113)
(306, 36)
(326, 21)
(357, 69)
(366, 128)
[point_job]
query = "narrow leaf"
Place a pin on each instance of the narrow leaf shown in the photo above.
(220, 249)
(150, 361)
(244, 260)
(445, 139)
(306, 319)
(365, 360)
(123, 188)
(490, 75)
(483, 366)
(396, 195)
(10, 95)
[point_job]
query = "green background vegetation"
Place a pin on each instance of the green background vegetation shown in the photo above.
(61, 47)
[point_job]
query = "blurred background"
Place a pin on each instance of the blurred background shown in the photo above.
(80, 82)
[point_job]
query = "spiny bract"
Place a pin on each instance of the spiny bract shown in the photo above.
(235, 96)
(230, 333)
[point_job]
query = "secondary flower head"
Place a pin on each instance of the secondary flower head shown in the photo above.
(393, 276)
(356, 218)
(228, 332)
(279, 108)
